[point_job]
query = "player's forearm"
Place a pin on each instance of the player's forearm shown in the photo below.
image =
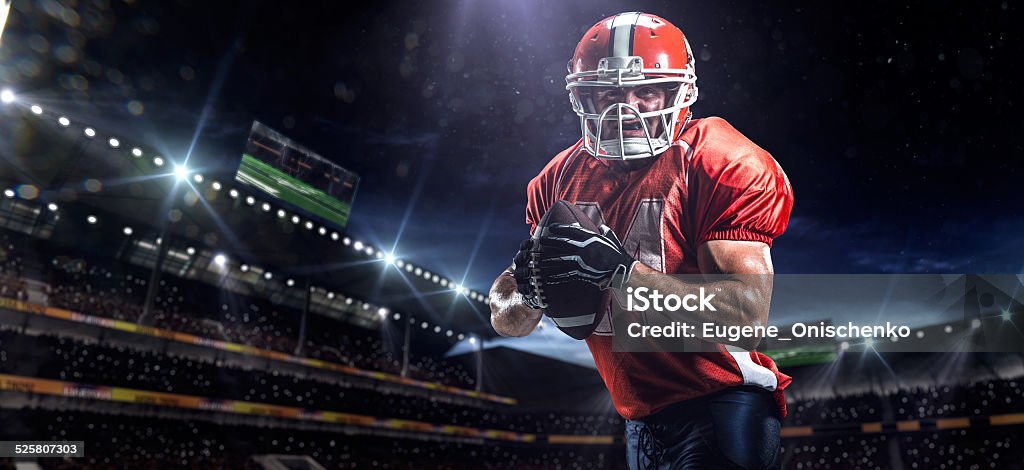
(740, 300)
(509, 316)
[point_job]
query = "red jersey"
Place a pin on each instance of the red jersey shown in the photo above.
(712, 184)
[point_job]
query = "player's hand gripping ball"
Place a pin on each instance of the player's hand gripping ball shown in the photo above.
(567, 264)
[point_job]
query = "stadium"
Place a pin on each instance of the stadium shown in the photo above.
(222, 307)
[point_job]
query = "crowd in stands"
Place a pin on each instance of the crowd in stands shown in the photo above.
(868, 452)
(74, 360)
(133, 442)
(990, 448)
(119, 292)
(866, 407)
(984, 398)
(96, 364)
(145, 443)
(12, 285)
(1001, 447)
(978, 399)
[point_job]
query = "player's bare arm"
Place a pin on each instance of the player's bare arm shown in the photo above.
(509, 314)
(743, 299)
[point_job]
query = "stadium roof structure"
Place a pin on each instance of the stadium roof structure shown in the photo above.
(124, 198)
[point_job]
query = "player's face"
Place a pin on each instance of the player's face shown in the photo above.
(645, 98)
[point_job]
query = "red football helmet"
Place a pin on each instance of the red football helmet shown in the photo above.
(631, 50)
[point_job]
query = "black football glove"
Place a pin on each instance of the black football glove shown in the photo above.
(526, 276)
(570, 253)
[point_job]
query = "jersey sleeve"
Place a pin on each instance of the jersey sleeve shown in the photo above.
(744, 196)
(540, 192)
(538, 200)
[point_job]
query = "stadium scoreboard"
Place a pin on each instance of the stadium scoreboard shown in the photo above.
(287, 171)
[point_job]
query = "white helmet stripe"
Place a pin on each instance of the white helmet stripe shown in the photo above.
(621, 42)
(570, 322)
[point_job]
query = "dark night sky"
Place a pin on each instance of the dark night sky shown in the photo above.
(898, 124)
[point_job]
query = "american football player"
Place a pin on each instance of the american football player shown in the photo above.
(673, 195)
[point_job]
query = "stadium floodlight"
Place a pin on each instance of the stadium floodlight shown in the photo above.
(330, 295)
(358, 245)
(389, 259)
(127, 231)
(366, 306)
(191, 251)
(437, 329)
(9, 193)
(369, 250)
(334, 236)
(114, 143)
(424, 325)
(268, 276)
(309, 225)
(409, 267)
(347, 241)
(158, 160)
(89, 132)
(220, 260)
(215, 185)
(180, 172)
(36, 109)
(250, 200)
(435, 278)
(52, 206)
(461, 336)
(947, 329)
(322, 231)
(136, 152)
(281, 213)
(397, 262)
(7, 96)
(64, 121)
(233, 193)
(448, 333)
(244, 268)
(348, 301)
(91, 219)
(295, 219)
(198, 178)
(290, 282)
(472, 340)
(397, 316)
(975, 323)
(383, 312)
(266, 207)
(443, 282)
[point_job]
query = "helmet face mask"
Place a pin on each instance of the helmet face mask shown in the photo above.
(609, 129)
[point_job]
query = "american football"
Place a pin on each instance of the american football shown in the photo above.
(572, 305)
